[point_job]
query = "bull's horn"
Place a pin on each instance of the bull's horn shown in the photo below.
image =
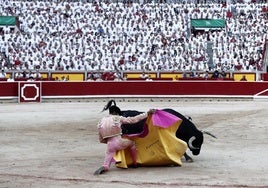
(190, 142)
(208, 133)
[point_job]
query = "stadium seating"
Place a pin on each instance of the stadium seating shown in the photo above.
(71, 36)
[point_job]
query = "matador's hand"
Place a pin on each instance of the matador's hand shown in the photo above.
(151, 111)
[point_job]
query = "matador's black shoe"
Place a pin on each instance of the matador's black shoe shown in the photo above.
(101, 170)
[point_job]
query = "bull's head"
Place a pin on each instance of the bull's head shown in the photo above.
(195, 142)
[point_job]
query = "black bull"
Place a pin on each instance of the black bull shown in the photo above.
(187, 131)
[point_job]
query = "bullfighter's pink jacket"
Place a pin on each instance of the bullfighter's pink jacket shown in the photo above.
(110, 125)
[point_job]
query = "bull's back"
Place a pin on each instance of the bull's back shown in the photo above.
(185, 130)
(132, 128)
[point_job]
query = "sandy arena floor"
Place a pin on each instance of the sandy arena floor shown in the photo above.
(55, 145)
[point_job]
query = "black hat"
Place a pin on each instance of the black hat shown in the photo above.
(112, 108)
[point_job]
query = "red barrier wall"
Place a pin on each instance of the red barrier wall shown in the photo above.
(265, 77)
(8, 89)
(154, 88)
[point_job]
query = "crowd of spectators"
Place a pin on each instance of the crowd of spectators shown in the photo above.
(72, 36)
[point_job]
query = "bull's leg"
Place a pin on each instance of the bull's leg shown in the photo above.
(188, 158)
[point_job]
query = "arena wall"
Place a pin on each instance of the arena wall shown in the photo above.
(56, 90)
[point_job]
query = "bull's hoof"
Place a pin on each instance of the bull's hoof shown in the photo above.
(189, 160)
(101, 170)
(133, 166)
